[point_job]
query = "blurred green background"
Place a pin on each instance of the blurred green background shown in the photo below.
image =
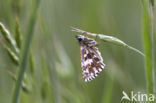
(54, 74)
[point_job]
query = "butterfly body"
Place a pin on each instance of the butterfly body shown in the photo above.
(91, 60)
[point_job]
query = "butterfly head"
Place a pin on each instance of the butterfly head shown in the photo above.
(80, 38)
(85, 41)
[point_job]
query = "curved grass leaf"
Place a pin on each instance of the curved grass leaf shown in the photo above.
(109, 39)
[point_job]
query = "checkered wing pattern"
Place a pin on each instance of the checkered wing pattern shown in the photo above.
(91, 60)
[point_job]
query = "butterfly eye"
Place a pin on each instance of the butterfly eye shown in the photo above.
(80, 39)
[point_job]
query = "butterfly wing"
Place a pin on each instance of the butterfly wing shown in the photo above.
(91, 62)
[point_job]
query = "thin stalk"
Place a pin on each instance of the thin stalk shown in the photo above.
(154, 41)
(25, 53)
(136, 50)
(107, 97)
(147, 37)
(109, 39)
(46, 86)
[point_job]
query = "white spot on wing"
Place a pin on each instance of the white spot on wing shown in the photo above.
(95, 70)
(86, 51)
(85, 55)
(86, 71)
(92, 74)
(88, 61)
(100, 69)
(102, 66)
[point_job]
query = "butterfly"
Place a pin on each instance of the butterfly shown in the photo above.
(91, 60)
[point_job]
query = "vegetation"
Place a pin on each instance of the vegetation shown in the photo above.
(40, 57)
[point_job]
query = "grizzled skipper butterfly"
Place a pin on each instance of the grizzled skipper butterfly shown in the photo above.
(91, 60)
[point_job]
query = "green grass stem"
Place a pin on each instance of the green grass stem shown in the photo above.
(25, 53)
(147, 37)
(136, 50)
(154, 42)
(109, 39)
(46, 85)
(107, 97)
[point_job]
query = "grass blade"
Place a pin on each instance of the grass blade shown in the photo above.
(107, 97)
(110, 39)
(147, 35)
(25, 53)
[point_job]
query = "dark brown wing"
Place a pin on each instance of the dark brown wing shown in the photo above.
(91, 62)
